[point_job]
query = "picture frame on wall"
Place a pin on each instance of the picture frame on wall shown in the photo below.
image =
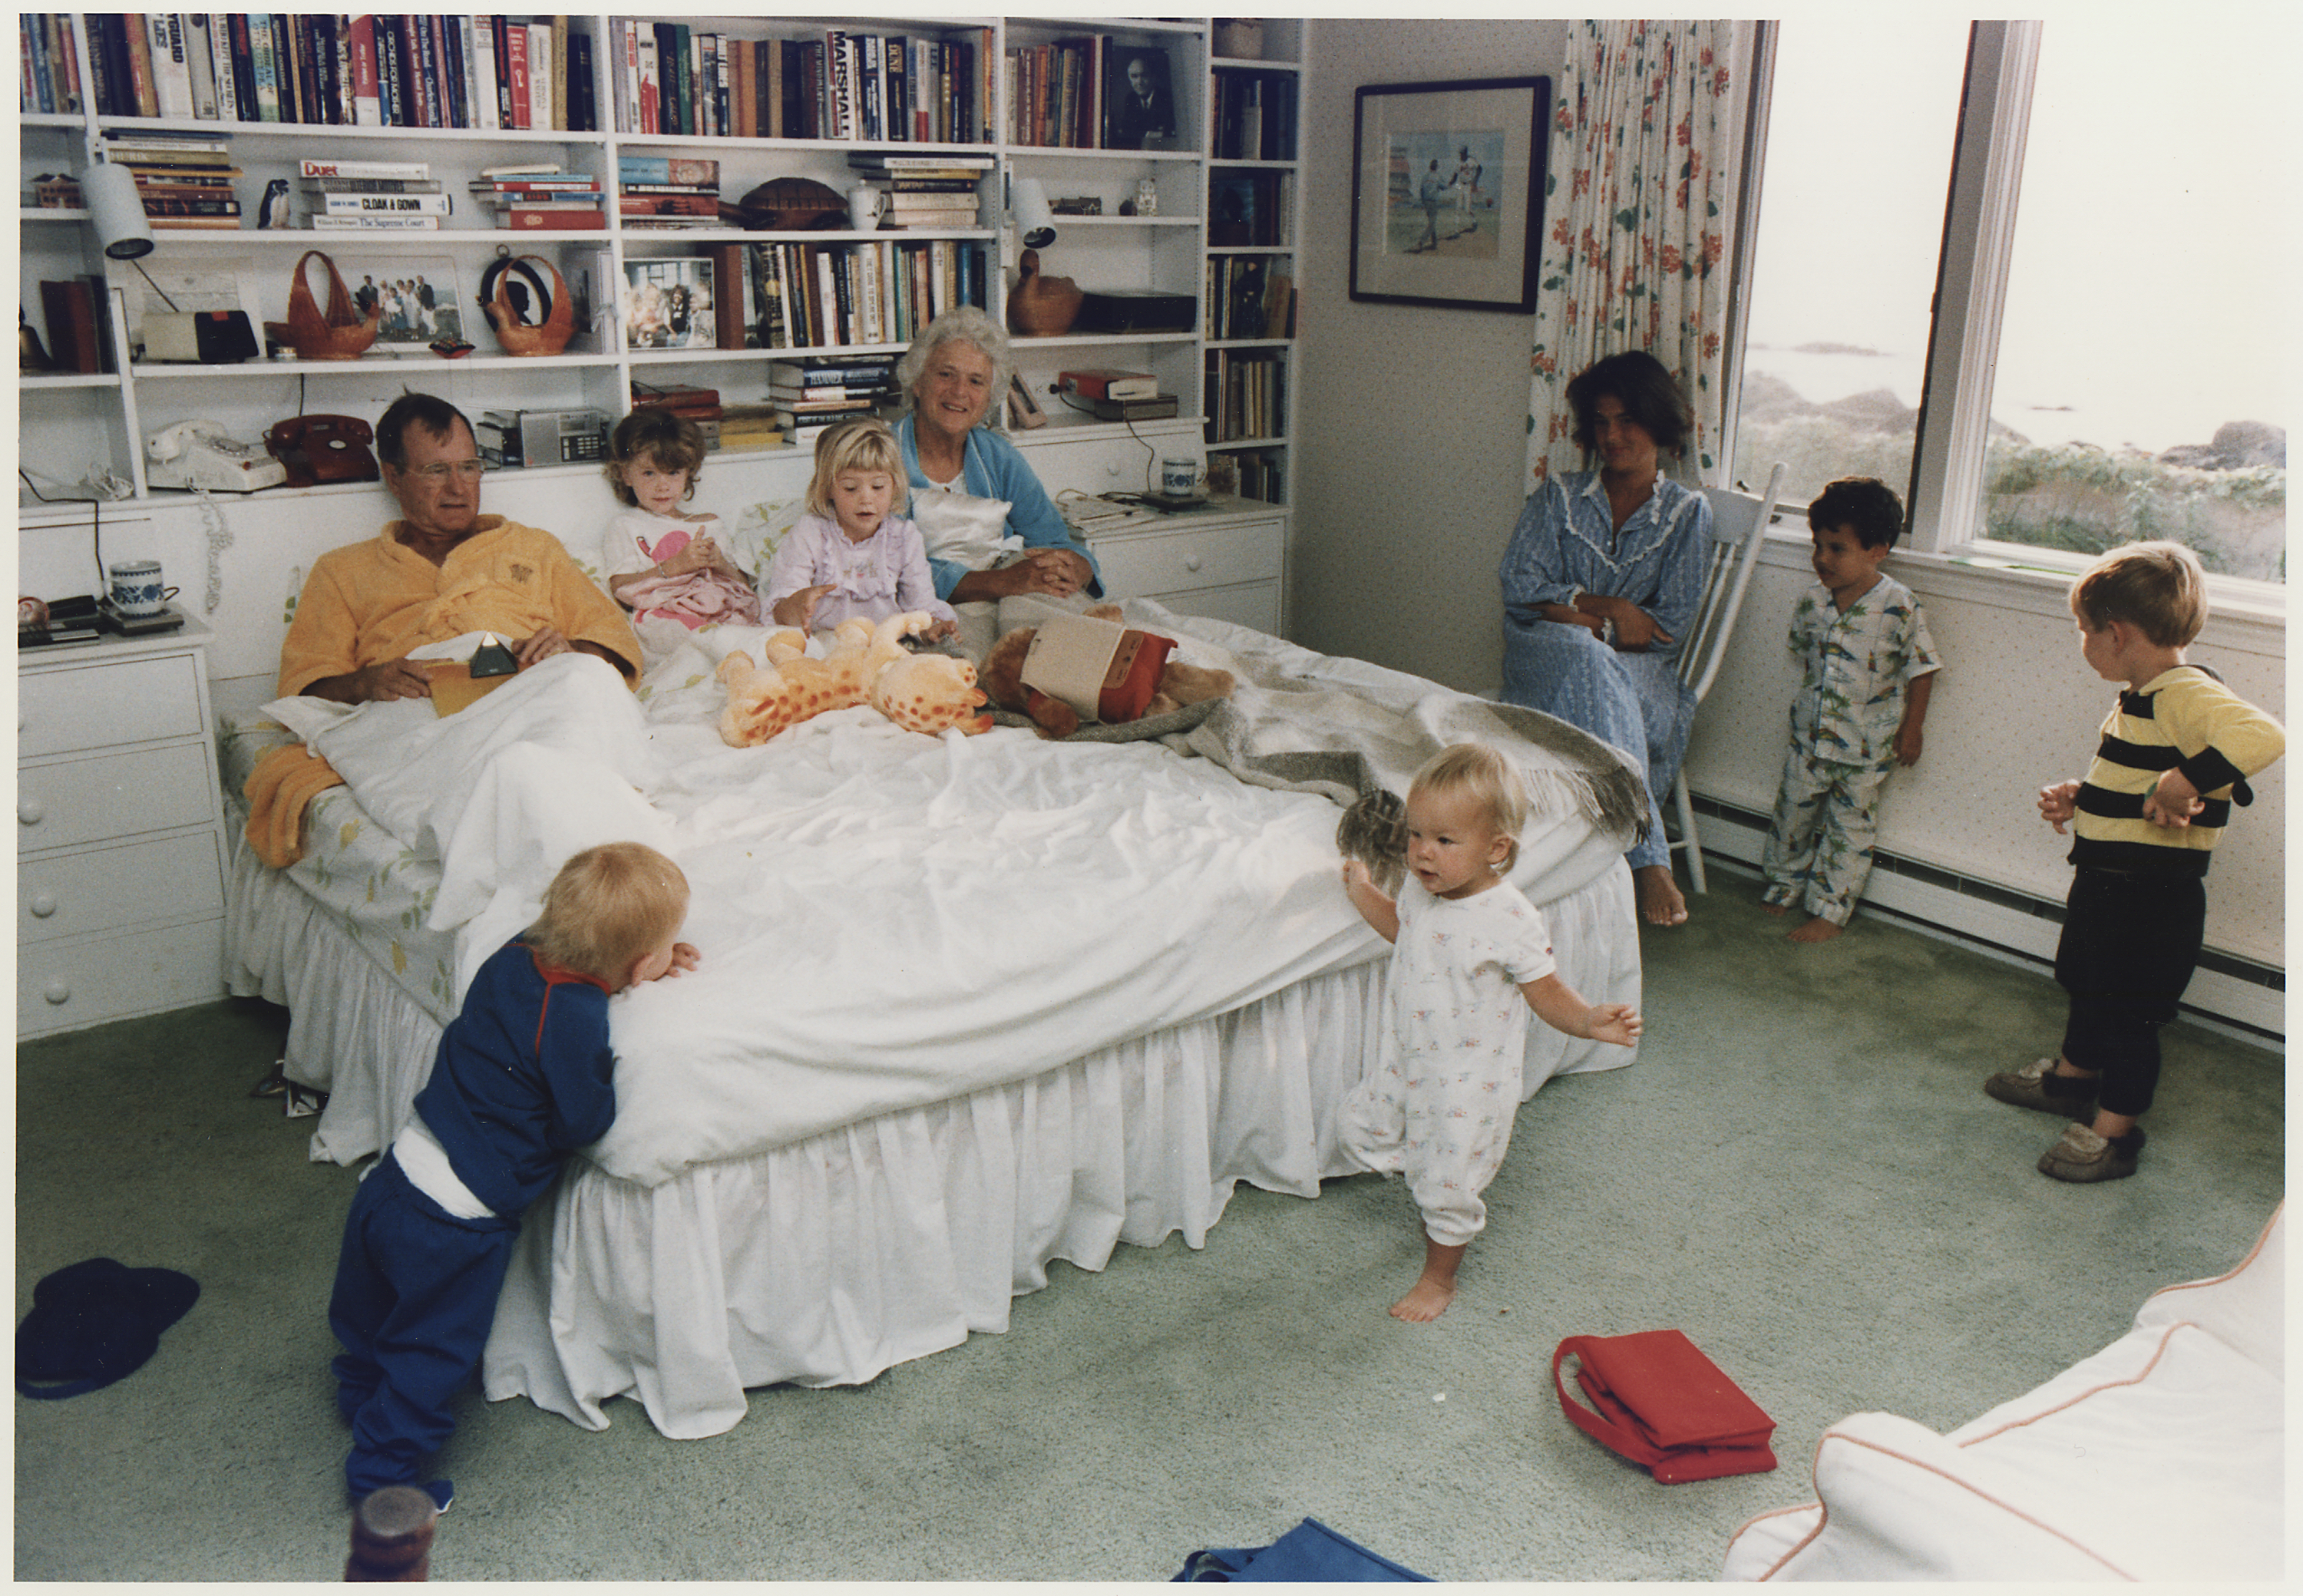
(1448, 183)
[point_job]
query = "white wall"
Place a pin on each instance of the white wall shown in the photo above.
(1411, 447)
(1411, 422)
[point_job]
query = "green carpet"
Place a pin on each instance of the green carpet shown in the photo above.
(1802, 1173)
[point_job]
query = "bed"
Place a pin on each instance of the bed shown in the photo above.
(968, 1005)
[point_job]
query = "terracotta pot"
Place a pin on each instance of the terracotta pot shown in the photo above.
(1042, 306)
(338, 336)
(548, 336)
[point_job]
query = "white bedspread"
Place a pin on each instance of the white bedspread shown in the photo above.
(887, 920)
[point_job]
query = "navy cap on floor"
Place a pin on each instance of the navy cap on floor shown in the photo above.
(96, 1322)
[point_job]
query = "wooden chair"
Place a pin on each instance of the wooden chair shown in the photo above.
(1739, 527)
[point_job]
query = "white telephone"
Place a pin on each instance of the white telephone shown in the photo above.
(201, 455)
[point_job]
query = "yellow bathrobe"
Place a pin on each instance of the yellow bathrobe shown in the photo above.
(371, 602)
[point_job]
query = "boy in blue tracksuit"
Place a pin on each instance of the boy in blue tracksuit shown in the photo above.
(524, 1073)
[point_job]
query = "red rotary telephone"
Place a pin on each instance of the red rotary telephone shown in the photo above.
(317, 448)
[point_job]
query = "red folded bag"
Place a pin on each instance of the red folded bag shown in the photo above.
(1663, 1403)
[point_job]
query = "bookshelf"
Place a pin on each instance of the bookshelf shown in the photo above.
(80, 422)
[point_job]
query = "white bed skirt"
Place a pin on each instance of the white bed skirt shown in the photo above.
(827, 1262)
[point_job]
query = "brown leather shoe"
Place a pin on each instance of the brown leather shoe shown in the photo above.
(2037, 1085)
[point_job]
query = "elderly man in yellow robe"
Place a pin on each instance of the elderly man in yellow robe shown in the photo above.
(507, 786)
(443, 570)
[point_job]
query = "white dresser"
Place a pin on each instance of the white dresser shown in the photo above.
(1227, 562)
(119, 832)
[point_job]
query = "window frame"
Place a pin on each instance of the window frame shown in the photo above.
(1943, 498)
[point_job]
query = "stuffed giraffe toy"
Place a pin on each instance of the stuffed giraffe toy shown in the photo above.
(867, 664)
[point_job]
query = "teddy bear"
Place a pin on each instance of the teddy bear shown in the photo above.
(867, 664)
(1139, 682)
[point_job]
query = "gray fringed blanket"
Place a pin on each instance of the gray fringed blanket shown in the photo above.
(1311, 722)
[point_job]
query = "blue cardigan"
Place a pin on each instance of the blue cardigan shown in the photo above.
(994, 468)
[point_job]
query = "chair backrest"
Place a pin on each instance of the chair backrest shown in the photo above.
(1739, 525)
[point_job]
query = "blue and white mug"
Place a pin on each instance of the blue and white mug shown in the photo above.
(137, 589)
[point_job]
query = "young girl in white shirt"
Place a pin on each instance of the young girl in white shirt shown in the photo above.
(1470, 956)
(660, 560)
(851, 555)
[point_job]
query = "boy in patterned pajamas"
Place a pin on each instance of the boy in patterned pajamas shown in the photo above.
(1868, 667)
(1470, 956)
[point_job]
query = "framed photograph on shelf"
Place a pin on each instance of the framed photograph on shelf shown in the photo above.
(1139, 98)
(1448, 191)
(667, 304)
(419, 297)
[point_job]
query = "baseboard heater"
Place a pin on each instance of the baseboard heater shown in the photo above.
(2236, 991)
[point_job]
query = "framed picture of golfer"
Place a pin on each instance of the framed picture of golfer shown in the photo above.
(1448, 191)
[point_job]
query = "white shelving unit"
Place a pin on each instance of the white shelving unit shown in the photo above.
(75, 422)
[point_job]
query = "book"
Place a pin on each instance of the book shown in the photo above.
(70, 307)
(374, 224)
(369, 185)
(690, 171)
(561, 218)
(401, 171)
(383, 205)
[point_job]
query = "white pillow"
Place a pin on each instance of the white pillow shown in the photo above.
(759, 528)
(962, 528)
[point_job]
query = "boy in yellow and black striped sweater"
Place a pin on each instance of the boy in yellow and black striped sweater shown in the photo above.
(2176, 753)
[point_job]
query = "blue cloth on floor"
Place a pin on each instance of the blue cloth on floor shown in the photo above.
(1310, 1552)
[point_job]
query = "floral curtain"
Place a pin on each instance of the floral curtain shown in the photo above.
(1639, 208)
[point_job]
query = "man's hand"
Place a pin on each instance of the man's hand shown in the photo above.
(2058, 804)
(375, 684)
(799, 609)
(541, 647)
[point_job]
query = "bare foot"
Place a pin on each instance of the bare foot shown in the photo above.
(1817, 930)
(1777, 909)
(1425, 1301)
(1660, 903)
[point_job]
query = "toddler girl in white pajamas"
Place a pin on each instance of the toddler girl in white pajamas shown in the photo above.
(1470, 956)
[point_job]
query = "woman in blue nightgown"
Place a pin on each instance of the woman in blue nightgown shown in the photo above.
(1600, 585)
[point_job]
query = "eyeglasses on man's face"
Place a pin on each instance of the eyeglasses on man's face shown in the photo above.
(439, 471)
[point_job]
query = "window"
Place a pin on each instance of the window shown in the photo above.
(2101, 363)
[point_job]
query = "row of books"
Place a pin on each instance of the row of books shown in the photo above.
(1254, 116)
(832, 296)
(847, 84)
(1246, 297)
(184, 180)
(667, 193)
(1256, 474)
(44, 47)
(1246, 395)
(340, 71)
(80, 337)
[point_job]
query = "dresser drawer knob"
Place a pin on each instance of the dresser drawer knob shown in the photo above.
(30, 811)
(57, 990)
(43, 905)
(1191, 563)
